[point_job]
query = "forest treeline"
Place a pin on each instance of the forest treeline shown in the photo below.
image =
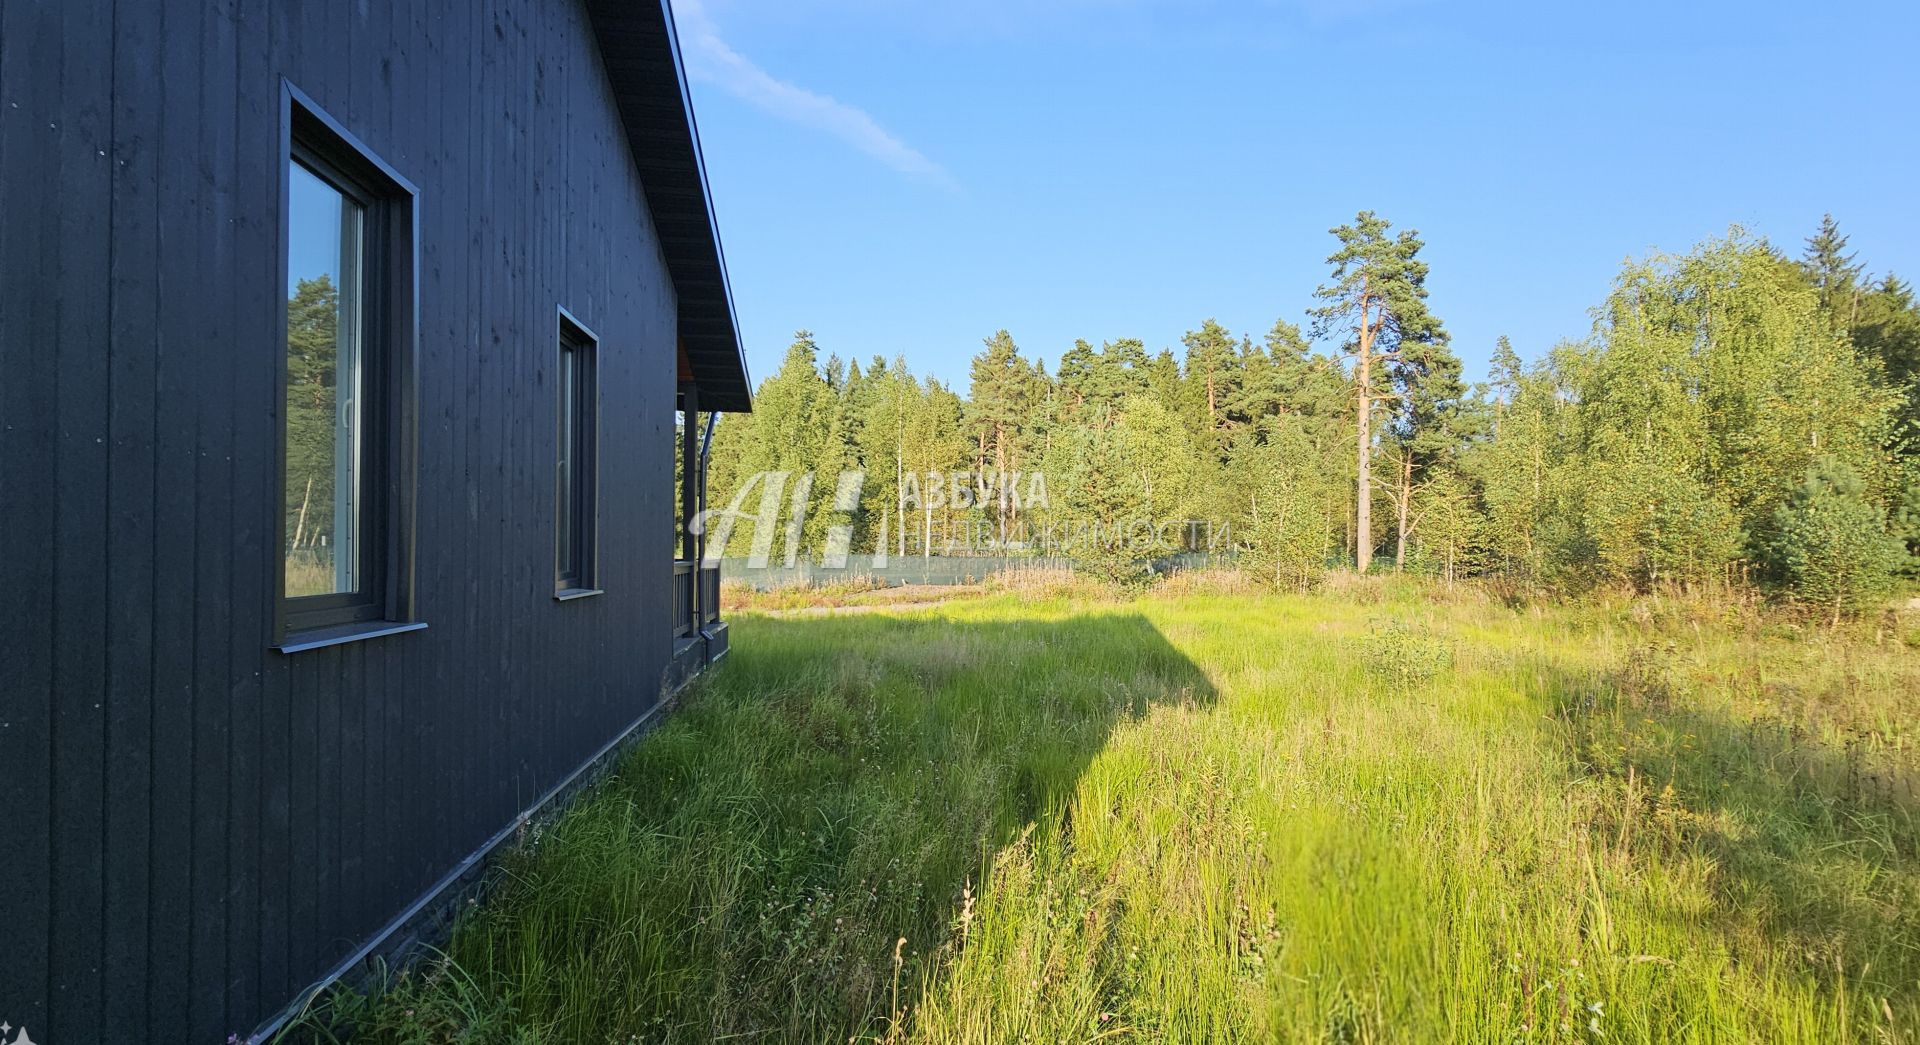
(1736, 415)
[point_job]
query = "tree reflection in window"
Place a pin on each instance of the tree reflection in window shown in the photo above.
(324, 383)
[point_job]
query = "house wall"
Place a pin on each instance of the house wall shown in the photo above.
(193, 826)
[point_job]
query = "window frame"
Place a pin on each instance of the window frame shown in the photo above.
(388, 315)
(577, 492)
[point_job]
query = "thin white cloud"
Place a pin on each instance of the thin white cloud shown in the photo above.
(1075, 20)
(709, 59)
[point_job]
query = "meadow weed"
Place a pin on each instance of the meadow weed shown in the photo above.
(1368, 814)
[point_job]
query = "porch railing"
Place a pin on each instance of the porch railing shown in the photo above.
(683, 598)
(709, 594)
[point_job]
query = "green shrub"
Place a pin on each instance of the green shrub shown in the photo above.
(1831, 547)
(1404, 654)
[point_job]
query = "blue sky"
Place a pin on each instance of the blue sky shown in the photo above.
(908, 177)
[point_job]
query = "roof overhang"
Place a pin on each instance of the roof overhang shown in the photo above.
(642, 54)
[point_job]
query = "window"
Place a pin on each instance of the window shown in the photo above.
(576, 469)
(326, 386)
(347, 356)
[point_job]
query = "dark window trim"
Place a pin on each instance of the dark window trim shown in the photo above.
(576, 578)
(390, 305)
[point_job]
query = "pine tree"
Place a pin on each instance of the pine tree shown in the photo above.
(936, 445)
(1832, 270)
(1903, 517)
(840, 453)
(1002, 407)
(890, 392)
(1163, 378)
(1075, 379)
(1429, 427)
(1377, 303)
(1831, 545)
(1506, 369)
(997, 400)
(1212, 374)
(1888, 332)
(1042, 396)
(793, 417)
(1114, 375)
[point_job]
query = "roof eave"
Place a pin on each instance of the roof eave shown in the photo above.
(641, 51)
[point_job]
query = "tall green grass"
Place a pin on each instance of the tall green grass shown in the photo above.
(1393, 815)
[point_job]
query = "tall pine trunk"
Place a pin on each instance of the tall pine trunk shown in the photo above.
(1363, 487)
(1000, 470)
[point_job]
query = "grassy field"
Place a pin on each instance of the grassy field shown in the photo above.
(1379, 815)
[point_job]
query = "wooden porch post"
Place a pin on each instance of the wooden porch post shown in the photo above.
(691, 482)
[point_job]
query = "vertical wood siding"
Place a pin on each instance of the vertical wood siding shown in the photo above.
(193, 827)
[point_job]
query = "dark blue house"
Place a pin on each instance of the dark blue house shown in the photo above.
(354, 363)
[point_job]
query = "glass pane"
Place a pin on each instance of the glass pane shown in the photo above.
(564, 550)
(324, 386)
(680, 423)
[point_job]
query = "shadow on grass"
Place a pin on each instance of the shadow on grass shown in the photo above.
(785, 856)
(1808, 838)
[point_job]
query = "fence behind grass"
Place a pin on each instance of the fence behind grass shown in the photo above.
(915, 569)
(897, 570)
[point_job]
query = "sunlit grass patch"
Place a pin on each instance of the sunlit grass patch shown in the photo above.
(1233, 818)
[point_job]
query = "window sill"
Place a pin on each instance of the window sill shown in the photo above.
(300, 642)
(570, 594)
